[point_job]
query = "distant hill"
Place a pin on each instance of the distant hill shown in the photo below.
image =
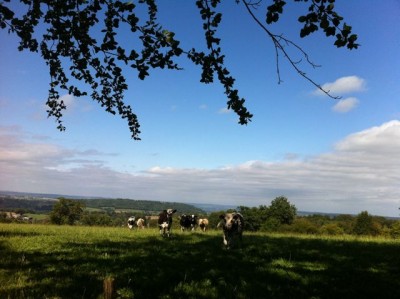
(147, 206)
(213, 207)
(44, 203)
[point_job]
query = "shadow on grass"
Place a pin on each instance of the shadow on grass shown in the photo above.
(196, 266)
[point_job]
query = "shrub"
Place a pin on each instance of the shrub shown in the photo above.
(302, 226)
(332, 229)
(395, 230)
(271, 225)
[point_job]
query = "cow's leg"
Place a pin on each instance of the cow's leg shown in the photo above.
(225, 240)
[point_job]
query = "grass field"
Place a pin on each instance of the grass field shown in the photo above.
(43, 261)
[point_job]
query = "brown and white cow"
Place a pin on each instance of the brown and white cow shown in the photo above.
(165, 222)
(232, 225)
(140, 223)
(203, 223)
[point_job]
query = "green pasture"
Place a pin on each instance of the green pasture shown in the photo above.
(45, 261)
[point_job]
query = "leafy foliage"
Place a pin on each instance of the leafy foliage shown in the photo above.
(366, 225)
(269, 218)
(282, 210)
(66, 211)
(65, 33)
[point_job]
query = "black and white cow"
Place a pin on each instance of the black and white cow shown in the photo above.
(131, 222)
(232, 225)
(188, 222)
(165, 222)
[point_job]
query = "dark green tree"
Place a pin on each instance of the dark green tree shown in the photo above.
(254, 217)
(80, 42)
(366, 225)
(66, 211)
(282, 210)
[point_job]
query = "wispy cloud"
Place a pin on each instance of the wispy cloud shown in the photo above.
(346, 105)
(69, 101)
(343, 85)
(224, 111)
(360, 173)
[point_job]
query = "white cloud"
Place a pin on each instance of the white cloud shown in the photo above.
(346, 105)
(362, 172)
(224, 111)
(69, 101)
(344, 85)
(383, 139)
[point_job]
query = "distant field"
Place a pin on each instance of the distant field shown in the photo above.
(134, 211)
(45, 261)
(37, 216)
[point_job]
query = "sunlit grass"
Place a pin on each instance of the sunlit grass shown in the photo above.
(46, 261)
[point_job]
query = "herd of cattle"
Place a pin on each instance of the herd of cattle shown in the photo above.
(232, 225)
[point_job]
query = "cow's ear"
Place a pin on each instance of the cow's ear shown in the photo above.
(174, 211)
(222, 216)
(165, 211)
(237, 216)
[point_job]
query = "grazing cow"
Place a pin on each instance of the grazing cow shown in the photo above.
(203, 223)
(165, 222)
(131, 222)
(188, 222)
(232, 225)
(140, 223)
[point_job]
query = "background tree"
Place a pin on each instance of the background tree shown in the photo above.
(366, 225)
(79, 41)
(254, 217)
(395, 230)
(282, 210)
(66, 211)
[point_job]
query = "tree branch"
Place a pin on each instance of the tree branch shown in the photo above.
(276, 39)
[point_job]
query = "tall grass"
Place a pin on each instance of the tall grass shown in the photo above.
(38, 261)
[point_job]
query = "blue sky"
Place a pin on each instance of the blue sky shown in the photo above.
(322, 154)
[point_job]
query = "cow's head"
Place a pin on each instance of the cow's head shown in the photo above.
(169, 213)
(230, 220)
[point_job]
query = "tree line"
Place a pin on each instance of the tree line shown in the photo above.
(45, 205)
(278, 217)
(281, 217)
